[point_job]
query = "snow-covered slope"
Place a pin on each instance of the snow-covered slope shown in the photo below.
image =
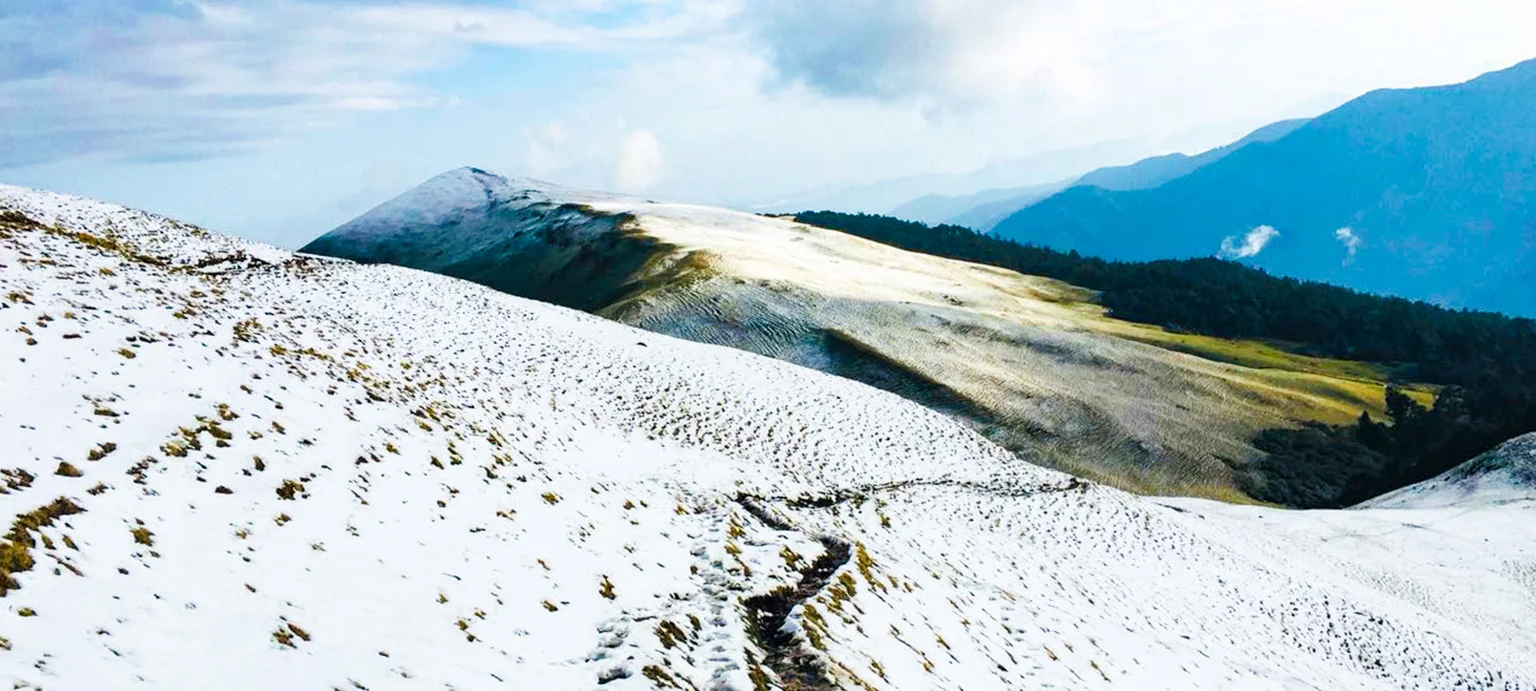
(1028, 361)
(1505, 474)
(443, 199)
(230, 467)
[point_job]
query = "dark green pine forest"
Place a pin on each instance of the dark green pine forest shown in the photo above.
(1485, 362)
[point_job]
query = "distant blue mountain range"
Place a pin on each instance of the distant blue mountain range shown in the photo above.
(984, 210)
(1424, 193)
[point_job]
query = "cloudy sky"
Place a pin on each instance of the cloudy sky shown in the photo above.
(278, 119)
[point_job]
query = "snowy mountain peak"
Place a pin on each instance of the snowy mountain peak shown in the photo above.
(436, 199)
(449, 197)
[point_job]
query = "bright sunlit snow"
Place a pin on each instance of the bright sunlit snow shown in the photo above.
(258, 470)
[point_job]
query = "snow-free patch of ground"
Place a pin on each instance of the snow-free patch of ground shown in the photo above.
(229, 467)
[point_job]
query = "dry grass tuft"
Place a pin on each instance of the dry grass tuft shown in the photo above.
(15, 552)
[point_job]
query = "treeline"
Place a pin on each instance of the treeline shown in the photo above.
(1487, 362)
(1333, 467)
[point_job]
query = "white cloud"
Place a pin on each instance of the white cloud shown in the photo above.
(168, 79)
(1351, 241)
(1152, 61)
(746, 92)
(1249, 245)
(640, 162)
(944, 49)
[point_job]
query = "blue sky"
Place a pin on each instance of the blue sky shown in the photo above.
(278, 119)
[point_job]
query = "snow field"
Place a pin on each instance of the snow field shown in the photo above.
(302, 473)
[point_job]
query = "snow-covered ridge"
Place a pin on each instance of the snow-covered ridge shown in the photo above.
(1505, 474)
(285, 472)
(162, 240)
(447, 195)
(1028, 360)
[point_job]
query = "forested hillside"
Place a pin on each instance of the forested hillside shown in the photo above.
(1485, 361)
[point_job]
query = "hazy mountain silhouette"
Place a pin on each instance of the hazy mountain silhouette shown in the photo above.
(1415, 192)
(984, 210)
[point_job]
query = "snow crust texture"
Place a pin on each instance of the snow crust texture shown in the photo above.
(230, 467)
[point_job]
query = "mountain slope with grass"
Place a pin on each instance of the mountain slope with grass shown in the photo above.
(1482, 366)
(1033, 363)
(233, 467)
(1422, 193)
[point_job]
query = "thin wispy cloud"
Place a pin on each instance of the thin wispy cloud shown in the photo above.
(1248, 245)
(1351, 241)
(155, 79)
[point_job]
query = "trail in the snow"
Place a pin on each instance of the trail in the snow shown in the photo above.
(791, 659)
(1001, 488)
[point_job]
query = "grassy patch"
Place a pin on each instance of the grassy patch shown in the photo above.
(15, 552)
(16, 479)
(670, 634)
(1250, 353)
(289, 489)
